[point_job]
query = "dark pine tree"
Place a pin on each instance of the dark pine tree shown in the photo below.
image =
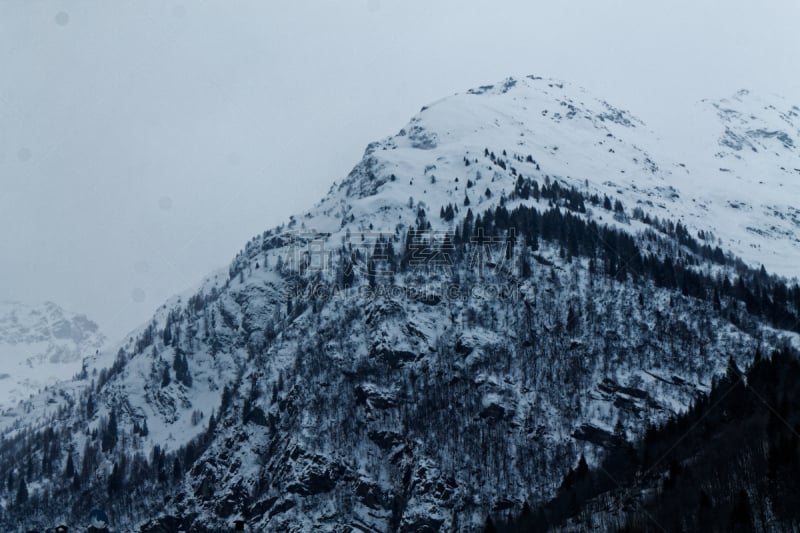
(109, 438)
(69, 471)
(115, 480)
(22, 492)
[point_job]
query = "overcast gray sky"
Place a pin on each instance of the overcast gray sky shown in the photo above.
(143, 143)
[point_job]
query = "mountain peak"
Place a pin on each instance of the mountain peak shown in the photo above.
(523, 275)
(40, 345)
(757, 123)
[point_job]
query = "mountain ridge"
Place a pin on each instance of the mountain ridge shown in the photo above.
(487, 295)
(41, 345)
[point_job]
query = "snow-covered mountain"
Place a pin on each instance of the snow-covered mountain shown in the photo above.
(522, 274)
(735, 175)
(40, 346)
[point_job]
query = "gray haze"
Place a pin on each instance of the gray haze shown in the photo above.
(143, 143)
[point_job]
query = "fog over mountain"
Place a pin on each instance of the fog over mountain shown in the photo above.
(399, 266)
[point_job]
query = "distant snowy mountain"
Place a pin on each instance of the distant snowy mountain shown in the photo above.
(40, 346)
(522, 275)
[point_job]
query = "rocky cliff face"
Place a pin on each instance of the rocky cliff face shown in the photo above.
(523, 274)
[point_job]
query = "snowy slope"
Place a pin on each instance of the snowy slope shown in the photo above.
(743, 176)
(736, 174)
(40, 346)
